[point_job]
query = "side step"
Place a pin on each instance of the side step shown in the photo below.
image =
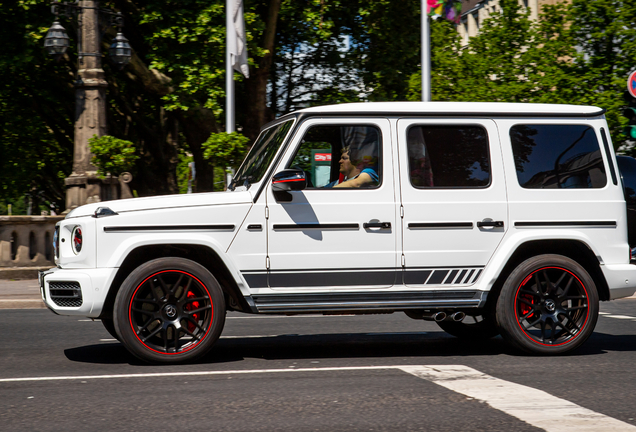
(397, 300)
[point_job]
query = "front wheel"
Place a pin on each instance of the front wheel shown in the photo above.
(548, 305)
(169, 310)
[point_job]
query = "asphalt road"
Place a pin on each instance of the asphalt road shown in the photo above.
(314, 373)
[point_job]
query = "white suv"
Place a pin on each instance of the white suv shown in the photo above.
(509, 215)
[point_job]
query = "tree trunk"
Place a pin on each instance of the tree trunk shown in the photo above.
(257, 111)
(198, 124)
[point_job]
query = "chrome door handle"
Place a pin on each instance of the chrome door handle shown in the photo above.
(382, 225)
(494, 224)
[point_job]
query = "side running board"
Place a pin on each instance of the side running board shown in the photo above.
(285, 303)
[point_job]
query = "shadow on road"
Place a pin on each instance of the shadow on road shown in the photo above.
(356, 345)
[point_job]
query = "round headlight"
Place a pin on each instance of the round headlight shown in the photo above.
(76, 239)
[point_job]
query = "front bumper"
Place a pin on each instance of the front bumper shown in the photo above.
(80, 292)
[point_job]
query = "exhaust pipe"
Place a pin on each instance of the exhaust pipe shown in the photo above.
(457, 316)
(434, 316)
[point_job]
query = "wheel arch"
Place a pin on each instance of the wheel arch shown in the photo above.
(203, 255)
(573, 249)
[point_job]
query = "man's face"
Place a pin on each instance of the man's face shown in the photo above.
(345, 164)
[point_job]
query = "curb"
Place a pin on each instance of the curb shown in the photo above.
(20, 273)
(22, 304)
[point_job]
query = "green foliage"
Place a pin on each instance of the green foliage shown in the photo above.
(226, 150)
(36, 130)
(171, 97)
(183, 171)
(578, 52)
(112, 155)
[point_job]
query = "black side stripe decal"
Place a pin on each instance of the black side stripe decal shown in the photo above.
(358, 277)
(288, 227)
(170, 228)
(566, 223)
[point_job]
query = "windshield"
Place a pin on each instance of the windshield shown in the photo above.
(260, 156)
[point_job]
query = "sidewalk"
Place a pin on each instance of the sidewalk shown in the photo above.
(20, 294)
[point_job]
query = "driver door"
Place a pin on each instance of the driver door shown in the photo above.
(335, 238)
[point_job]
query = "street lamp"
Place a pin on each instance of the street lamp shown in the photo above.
(84, 185)
(56, 41)
(120, 50)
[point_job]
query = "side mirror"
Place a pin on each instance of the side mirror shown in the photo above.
(291, 179)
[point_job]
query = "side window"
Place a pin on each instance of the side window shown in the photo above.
(557, 157)
(627, 166)
(448, 156)
(340, 156)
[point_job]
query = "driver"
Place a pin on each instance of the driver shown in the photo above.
(356, 173)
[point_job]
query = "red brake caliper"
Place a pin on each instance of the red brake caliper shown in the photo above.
(525, 309)
(190, 307)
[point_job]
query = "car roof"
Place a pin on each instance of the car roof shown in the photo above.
(437, 109)
(463, 108)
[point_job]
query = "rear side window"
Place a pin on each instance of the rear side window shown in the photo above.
(448, 156)
(557, 157)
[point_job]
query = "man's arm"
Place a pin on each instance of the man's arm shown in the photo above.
(356, 182)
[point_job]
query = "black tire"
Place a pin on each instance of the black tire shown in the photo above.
(169, 310)
(109, 325)
(548, 305)
(478, 327)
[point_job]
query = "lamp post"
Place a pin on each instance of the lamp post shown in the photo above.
(83, 185)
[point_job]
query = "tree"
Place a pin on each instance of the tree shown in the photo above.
(112, 155)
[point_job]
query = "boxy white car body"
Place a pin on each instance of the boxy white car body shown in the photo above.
(388, 248)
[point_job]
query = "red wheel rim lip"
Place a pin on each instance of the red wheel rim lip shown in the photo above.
(133, 297)
(587, 315)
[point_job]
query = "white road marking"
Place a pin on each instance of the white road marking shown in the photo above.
(536, 407)
(620, 316)
(197, 373)
(108, 340)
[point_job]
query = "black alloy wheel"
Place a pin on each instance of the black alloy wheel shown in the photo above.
(548, 305)
(169, 310)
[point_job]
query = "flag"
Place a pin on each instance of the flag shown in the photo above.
(448, 9)
(237, 43)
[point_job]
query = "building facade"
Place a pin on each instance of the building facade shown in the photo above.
(474, 12)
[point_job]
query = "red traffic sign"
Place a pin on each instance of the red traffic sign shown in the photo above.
(631, 84)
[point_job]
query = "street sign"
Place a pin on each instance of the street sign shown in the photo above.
(631, 84)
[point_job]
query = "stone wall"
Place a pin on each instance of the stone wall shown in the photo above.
(27, 241)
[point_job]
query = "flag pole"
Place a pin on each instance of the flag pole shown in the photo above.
(229, 69)
(426, 56)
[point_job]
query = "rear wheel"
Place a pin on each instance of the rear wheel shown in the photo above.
(472, 327)
(548, 305)
(169, 310)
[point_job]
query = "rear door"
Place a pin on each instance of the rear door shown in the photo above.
(454, 200)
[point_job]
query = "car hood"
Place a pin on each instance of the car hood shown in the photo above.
(165, 201)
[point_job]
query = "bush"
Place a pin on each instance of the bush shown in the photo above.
(226, 150)
(112, 155)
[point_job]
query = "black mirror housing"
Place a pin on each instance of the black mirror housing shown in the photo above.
(291, 179)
